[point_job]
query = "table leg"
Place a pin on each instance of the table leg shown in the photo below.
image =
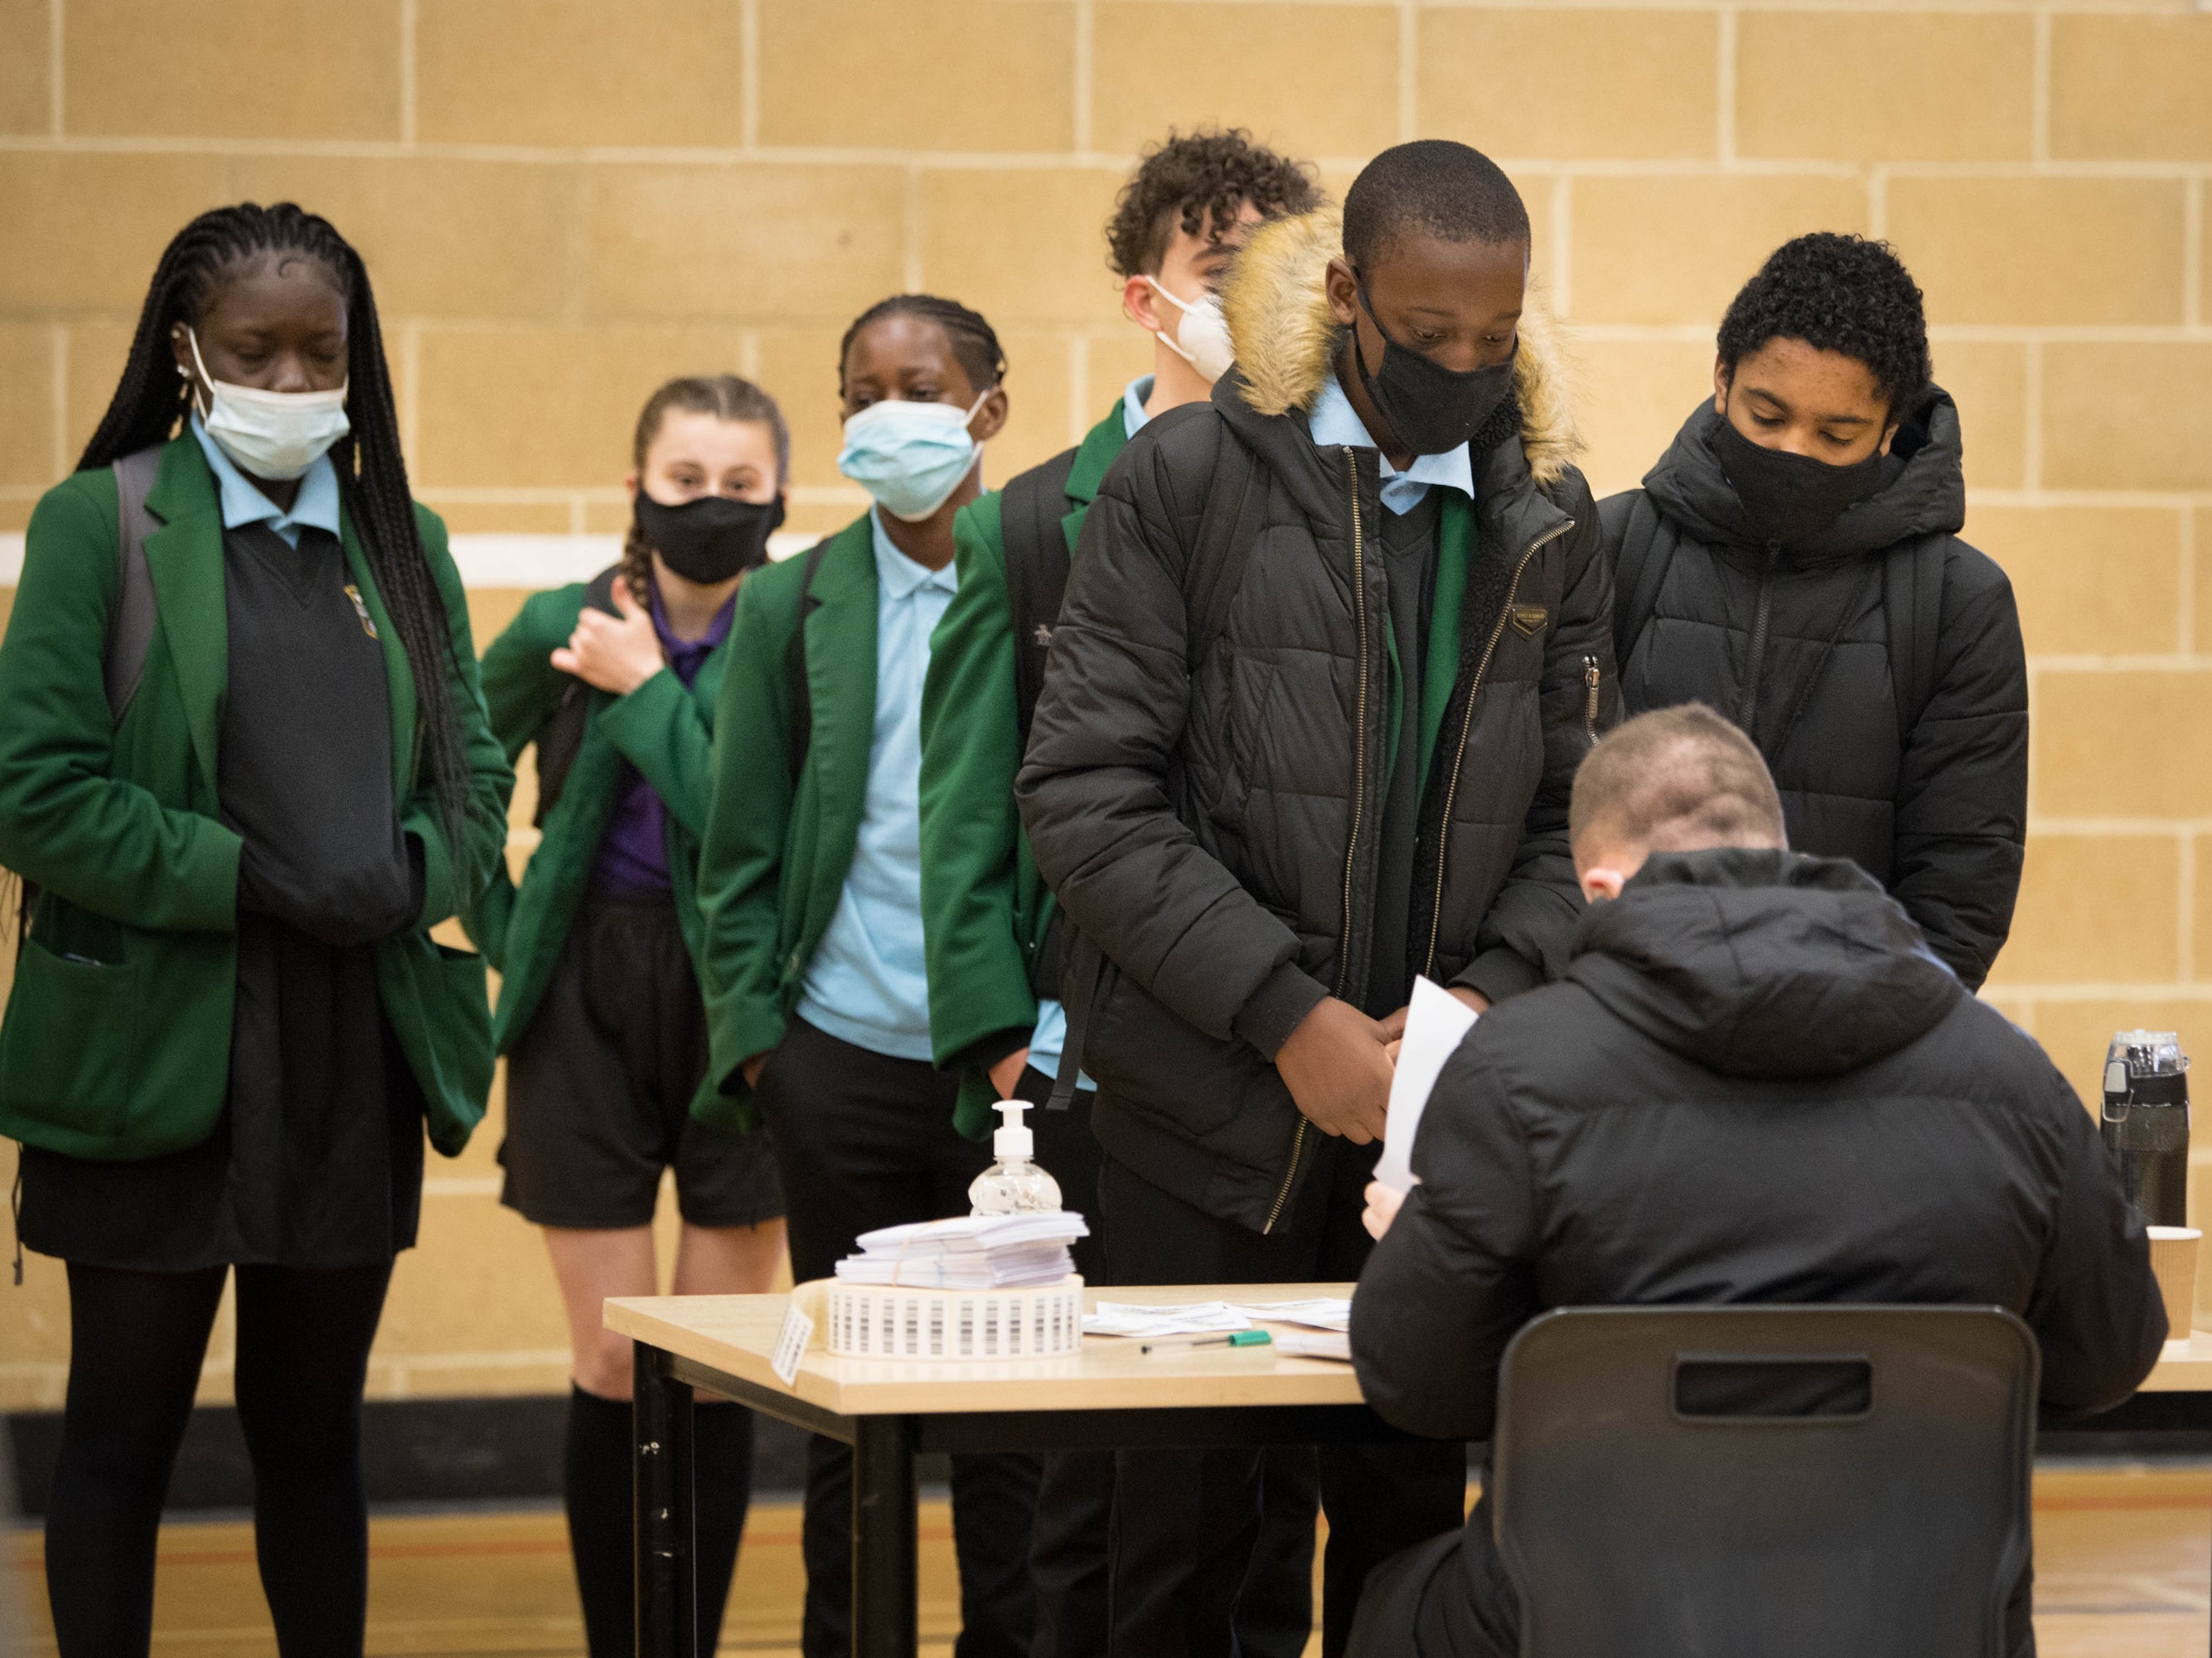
(666, 1534)
(883, 1590)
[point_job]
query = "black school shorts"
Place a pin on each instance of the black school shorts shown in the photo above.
(598, 1089)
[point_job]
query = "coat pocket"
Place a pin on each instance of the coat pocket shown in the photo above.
(69, 1044)
(437, 998)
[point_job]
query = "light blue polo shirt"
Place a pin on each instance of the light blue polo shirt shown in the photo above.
(1334, 420)
(1049, 1039)
(868, 983)
(317, 503)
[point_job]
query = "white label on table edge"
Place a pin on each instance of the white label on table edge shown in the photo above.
(791, 1345)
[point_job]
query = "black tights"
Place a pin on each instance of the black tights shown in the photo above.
(136, 1341)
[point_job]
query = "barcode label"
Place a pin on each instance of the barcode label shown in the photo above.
(791, 1345)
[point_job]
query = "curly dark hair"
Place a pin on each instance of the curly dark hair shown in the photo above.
(151, 401)
(1836, 293)
(1200, 180)
(974, 346)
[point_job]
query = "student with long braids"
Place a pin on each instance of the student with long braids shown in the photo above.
(245, 767)
(810, 877)
(614, 683)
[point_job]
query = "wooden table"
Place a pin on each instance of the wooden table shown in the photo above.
(1110, 1396)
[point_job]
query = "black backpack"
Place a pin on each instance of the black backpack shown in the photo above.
(1037, 562)
(1912, 603)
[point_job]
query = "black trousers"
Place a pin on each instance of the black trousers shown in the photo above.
(1069, 1558)
(1186, 1523)
(866, 1140)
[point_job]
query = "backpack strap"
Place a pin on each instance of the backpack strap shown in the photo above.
(130, 629)
(1236, 505)
(1030, 510)
(1912, 605)
(561, 739)
(795, 663)
(1639, 568)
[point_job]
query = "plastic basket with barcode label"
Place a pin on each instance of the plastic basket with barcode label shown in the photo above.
(883, 1321)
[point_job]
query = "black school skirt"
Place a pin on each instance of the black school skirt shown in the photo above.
(316, 1161)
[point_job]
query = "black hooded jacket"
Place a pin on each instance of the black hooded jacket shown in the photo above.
(1794, 644)
(1756, 1085)
(1205, 810)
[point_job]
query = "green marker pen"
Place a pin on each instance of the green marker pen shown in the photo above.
(1241, 1338)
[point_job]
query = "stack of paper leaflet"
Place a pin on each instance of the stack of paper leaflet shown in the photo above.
(974, 1287)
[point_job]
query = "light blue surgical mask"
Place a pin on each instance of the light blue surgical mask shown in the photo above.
(911, 455)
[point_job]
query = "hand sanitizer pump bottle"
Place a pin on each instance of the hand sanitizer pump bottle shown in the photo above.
(1013, 1185)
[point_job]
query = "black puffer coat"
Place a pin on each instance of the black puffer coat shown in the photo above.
(1756, 1085)
(1212, 831)
(1794, 645)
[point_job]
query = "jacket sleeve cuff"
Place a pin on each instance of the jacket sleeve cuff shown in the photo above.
(1499, 972)
(1278, 1007)
(985, 1051)
(438, 898)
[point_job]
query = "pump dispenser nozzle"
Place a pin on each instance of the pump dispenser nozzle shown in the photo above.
(1014, 1184)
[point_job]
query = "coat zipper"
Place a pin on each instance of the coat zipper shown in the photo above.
(1358, 807)
(1591, 677)
(1748, 705)
(1467, 725)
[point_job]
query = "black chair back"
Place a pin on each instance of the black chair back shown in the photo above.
(1765, 1481)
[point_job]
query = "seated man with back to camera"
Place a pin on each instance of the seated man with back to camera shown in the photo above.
(1756, 1083)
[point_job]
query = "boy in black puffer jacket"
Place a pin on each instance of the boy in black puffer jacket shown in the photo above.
(1793, 560)
(1332, 645)
(1756, 1085)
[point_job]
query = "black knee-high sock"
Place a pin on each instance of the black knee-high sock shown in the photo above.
(722, 1453)
(596, 1482)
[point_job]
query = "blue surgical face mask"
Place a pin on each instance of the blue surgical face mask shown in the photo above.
(910, 456)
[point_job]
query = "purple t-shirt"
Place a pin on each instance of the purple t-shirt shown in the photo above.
(633, 851)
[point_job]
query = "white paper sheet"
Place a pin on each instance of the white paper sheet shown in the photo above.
(1195, 1319)
(1320, 1345)
(1436, 1024)
(1324, 1313)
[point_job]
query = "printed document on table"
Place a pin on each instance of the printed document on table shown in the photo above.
(1325, 1312)
(1435, 1023)
(1175, 1319)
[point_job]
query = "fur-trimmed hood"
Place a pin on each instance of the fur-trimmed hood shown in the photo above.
(1279, 321)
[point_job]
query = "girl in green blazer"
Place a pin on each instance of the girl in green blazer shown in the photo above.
(614, 682)
(245, 769)
(810, 886)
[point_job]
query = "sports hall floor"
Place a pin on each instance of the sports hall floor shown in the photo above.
(2124, 1556)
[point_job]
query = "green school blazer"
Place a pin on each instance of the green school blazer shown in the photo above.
(984, 907)
(781, 830)
(116, 1042)
(663, 729)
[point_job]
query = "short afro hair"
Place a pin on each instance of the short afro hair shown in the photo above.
(1675, 780)
(1199, 182)
(1836, 293)
(1432, 187)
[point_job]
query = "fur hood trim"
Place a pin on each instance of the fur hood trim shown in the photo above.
(1278, 322)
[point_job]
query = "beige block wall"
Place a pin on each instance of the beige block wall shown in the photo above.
(563, 202)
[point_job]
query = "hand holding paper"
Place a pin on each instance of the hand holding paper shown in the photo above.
(1437, 1021)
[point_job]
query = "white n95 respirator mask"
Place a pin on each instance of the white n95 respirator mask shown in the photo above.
(1202, 337)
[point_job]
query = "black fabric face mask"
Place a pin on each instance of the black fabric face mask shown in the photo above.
(1789, 499)
(1432, 409)
(708, 539)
